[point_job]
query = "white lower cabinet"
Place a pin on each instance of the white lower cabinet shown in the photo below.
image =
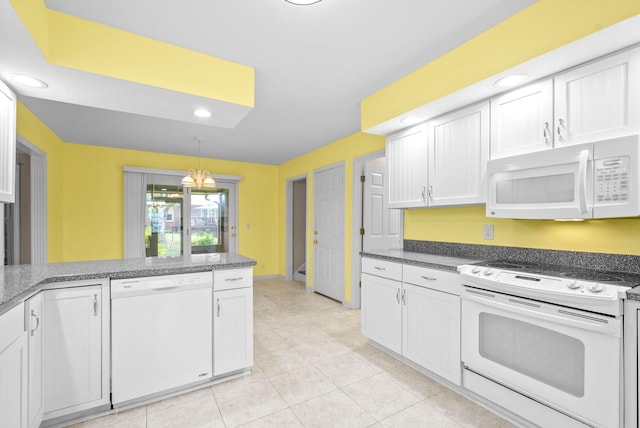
(232, 320)
(34, 324)
(76, 348)
(412, 316)
(431, 321)
(13, 369)
(381, 313)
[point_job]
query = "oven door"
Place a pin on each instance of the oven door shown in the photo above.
(551, 184)
(568, 359)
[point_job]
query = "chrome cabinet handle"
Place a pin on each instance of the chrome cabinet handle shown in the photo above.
(428, 278)
(398, 296)
(424, 193)
(404, 297)
(379, 268)
(218, 310)
(33, 314)
(233, 279)
(546, 133)
(430, 193)
(95, 305)
(560, 125)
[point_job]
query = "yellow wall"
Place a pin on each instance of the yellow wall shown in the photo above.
(35, 132)
(465, 225)
(344, 150)
(86, 197)
(546, 25)
(93, 201)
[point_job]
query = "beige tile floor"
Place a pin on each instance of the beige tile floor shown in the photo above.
(312, 368)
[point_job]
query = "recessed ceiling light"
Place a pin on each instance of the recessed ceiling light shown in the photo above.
(27, 81)
(411, 120)
(202, 113)
(303, 2)
(511, 81)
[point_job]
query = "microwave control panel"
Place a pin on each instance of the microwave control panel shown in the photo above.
(612, 179)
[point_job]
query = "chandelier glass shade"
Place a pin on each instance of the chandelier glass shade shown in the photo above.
(200, 178)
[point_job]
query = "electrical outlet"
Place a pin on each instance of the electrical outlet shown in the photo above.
(488, 231)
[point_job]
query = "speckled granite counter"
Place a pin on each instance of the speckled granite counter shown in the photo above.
(434, 261)
(19, 282)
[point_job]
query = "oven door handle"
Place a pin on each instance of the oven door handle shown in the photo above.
(568, 318)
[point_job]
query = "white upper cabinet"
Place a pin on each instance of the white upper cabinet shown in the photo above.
(7, 143)
(598, 100)
(458, 153)
(522, 120)
(407, 169)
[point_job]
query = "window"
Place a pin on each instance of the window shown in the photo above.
(173, 221)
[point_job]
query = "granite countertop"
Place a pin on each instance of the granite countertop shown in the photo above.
(19, 282)
(449, 263)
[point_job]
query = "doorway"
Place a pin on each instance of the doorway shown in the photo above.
(25, 220)
(296, 230)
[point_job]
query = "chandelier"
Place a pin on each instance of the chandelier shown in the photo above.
(198, 178)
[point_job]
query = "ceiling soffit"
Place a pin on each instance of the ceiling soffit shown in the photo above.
(80, 44)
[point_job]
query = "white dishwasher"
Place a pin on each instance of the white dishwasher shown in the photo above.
(161, 334)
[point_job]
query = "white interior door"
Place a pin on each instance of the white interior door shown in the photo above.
(328, 270)
(383, 227)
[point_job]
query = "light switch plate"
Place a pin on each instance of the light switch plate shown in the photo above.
(488, 231)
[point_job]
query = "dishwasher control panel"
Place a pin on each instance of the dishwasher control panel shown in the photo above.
(164, 283)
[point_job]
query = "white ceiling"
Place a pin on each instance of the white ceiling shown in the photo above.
(313, 64)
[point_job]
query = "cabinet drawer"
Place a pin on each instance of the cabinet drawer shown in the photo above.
(448, 282)
(382, 268)
(229, 279)
(11, 326)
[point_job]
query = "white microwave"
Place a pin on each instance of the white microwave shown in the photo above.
(591, 180)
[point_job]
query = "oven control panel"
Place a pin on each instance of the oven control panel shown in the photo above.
(508, 280)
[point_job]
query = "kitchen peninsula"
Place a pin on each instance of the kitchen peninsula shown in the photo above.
(58, 352)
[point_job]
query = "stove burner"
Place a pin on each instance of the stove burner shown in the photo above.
(591, 276)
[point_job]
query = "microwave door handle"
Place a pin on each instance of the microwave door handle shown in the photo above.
(582, 181)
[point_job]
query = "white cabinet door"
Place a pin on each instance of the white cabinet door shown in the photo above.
(13, 369)
(232, 330)
(13, 384)
(522, 120)
(76, 337)
(407, 169)
(33, 321)
(381, 313)
(458, 153)
(7, 143)
(431, 330)
(599, 100)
